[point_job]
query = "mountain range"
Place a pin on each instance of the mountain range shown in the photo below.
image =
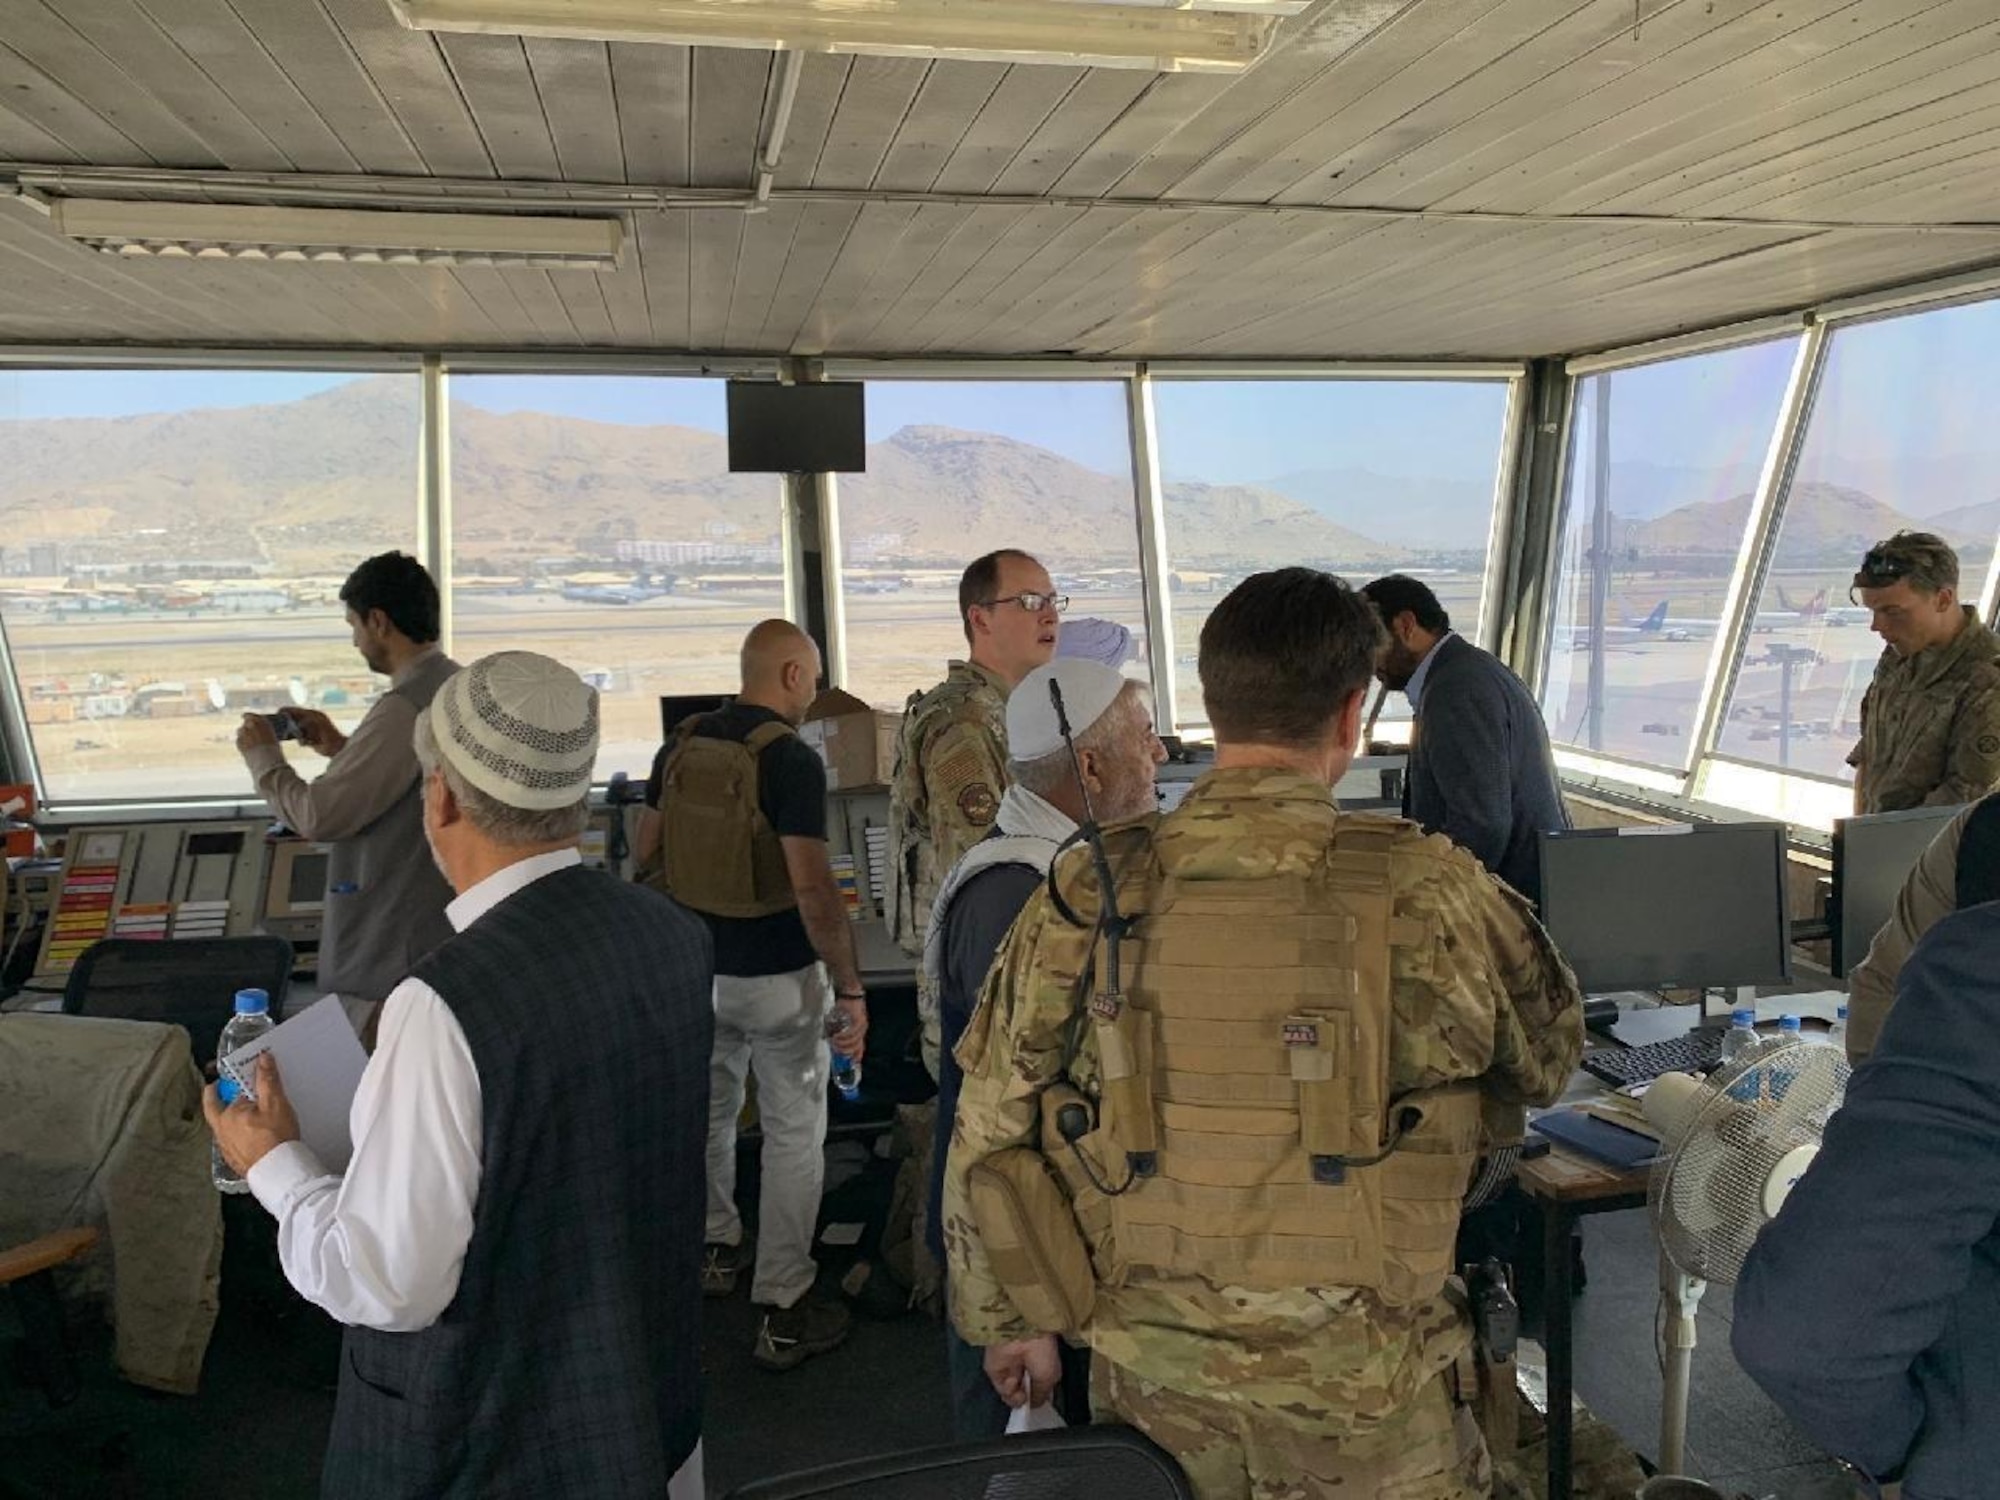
(306, 486)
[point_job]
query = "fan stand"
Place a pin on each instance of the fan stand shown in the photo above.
(1683, 1292)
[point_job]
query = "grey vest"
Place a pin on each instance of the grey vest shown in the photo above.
(385, 899)
(568, 1363)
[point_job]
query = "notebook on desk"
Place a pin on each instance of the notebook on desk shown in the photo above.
(1597, 1139)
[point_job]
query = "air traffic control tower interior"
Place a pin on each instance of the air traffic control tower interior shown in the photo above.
(1629, 327)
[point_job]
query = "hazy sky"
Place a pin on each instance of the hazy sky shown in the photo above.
(1909, 389)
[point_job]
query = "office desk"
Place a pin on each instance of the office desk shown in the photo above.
(1564, 1187)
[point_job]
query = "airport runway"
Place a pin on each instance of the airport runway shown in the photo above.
(896, 643)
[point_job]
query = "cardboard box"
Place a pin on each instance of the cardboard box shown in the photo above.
(856, 742)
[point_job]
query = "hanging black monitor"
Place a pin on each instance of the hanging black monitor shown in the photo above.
(797, 429)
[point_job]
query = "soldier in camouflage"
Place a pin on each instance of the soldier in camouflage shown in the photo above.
(1326, 1349)
(1930, 721)
(951, 752)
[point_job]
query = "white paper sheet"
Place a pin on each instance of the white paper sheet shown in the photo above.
(1033, 1418)
(320, 1063)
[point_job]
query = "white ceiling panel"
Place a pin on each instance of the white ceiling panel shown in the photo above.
(1398, 178)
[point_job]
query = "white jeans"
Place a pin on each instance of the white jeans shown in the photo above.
(777, 1025)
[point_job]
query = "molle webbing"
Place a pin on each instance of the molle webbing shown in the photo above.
(720, 854)
(1251, 1052)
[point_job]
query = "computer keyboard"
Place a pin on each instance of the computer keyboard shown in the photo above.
(1697, 1052)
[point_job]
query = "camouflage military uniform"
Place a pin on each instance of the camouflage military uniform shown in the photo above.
(1930, 725)
(951, 767)
(1331, 1385)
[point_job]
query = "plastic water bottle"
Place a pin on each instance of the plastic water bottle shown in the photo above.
(1741, 1036)
(846, 1070)
(252, 1020)
(1837, 1036)
(1789, 1029)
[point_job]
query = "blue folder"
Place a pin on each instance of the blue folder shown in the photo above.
(1600, 1140)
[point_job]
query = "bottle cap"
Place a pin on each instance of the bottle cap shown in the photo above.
(252, 1003)
(1743, 1018)
(1788, 1023)
(1840, 1012)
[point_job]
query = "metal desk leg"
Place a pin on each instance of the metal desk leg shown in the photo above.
(1557, 1224)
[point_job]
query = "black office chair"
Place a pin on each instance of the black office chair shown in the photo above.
(190, 982)
(1075, 1463)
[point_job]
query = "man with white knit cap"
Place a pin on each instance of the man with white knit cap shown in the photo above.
(1111, 719)
(516, 1241)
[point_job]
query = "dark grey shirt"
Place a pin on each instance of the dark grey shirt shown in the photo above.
(1481, 772)
(385, 898)
(980, 914)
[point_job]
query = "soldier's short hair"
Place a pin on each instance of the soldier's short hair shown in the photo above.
(977, 583)
(1282, 652)
(1398, 592)
(1922, 559)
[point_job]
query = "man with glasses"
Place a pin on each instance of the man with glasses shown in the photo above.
(1930, 721)
(944, 797)
(951, 753)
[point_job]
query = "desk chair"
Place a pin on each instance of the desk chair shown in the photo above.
(1075, 1463)
(187, 982)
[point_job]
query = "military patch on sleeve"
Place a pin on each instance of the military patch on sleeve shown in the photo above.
(1989, 744)
(978, 804)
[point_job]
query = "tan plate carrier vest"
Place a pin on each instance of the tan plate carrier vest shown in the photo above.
(1248, 1065)
(719, 853)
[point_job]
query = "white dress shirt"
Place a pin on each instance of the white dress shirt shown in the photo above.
(382, 1247)
(1414, 688)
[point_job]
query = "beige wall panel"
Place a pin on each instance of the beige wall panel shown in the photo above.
(951, 98)
(1026, 97)
(574, 81)
(729, 85)
(408, 71)
(491, 74)
(652, 82)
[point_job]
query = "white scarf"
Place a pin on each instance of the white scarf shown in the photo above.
(1031, 830)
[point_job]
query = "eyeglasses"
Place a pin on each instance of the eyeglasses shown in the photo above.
(1033, 603)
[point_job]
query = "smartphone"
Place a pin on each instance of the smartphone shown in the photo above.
(283, 725)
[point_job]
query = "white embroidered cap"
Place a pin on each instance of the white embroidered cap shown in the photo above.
(520, 727)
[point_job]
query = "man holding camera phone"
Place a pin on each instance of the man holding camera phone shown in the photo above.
(385, 899)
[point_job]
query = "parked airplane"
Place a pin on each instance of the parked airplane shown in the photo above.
(642, 588)
(1674, 628)
(1628, 632)
(1816, 608)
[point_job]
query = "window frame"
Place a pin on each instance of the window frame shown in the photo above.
(1128, 373)
(1501, 516)
(15, 733)
(1817, 330)
(1512, 509)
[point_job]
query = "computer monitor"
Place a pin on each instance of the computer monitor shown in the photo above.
(296, 884)
(674, 707)
(1872, 857)
(1679, 906)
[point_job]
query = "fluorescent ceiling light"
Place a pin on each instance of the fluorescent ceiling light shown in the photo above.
(1205, 35)
(225, 231)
